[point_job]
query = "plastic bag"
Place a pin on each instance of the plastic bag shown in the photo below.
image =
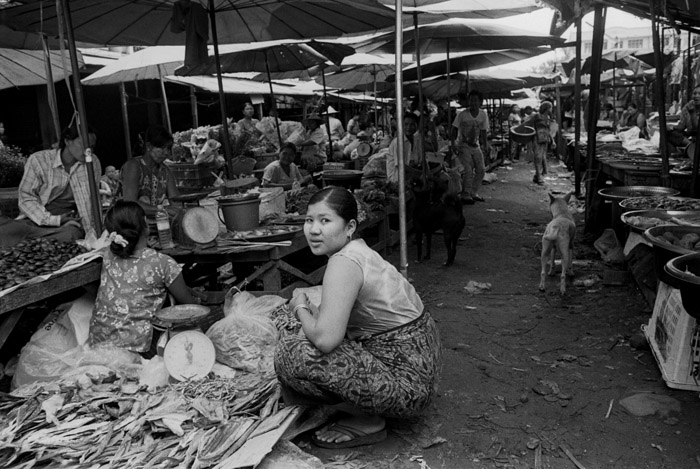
(609, 247)
(246, 337)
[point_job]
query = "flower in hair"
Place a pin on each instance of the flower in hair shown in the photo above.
(118, 239)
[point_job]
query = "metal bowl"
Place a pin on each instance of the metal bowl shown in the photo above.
(661, 203)
(685, 270)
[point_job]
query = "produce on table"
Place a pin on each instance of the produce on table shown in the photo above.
(298, 201)
(687, 241)
(34, 257)
(661, 203)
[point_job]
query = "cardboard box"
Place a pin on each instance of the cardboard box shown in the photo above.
(674, 340)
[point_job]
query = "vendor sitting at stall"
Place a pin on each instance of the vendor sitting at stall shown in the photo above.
(337, 131)
(313, 146)
(634, 117)
(687, 126)
(146, 179)
(370, 349)
(54, 194)
(283, 172)
(134, 284)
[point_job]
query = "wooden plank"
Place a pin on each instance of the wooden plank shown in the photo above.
(53, 286)
(8, 324)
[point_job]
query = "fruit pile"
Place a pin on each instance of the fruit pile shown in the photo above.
(34, 257)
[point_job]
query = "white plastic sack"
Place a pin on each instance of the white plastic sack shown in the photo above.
(246, 337)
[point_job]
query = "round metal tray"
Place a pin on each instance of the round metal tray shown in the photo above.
(626, 192)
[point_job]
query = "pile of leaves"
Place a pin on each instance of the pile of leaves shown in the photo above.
(298, 201)
(120, 424)
(12, 163)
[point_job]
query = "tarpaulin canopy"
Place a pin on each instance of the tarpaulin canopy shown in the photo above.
(28, 67)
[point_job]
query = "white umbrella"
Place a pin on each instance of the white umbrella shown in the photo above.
(28, 67)
(151, 63)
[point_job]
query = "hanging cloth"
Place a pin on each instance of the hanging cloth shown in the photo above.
(192, 19)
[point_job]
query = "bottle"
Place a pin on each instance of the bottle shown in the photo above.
(165, 236)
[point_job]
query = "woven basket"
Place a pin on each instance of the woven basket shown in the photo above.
(522, 134)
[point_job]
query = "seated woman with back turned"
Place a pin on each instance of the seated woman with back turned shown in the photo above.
(370, 350)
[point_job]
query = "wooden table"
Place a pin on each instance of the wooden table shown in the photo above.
(272, 262)
(13, 304)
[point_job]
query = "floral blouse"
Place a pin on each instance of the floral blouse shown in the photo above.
(131, 291)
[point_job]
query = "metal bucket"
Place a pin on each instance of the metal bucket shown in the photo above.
(240, 215)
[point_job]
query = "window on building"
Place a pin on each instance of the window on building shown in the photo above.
(635, 43)
(605, 45)
(588, 48)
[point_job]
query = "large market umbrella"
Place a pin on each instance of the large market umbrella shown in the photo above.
(489, 83)
(277, 56)
(148, 22)
(28, 67)
(246, 86)
(151, 63)
(469, 61)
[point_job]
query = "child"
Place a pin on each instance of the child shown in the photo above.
(134, 284)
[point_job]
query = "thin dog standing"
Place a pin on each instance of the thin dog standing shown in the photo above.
(559, 235)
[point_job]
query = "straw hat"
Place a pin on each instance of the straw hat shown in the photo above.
(331, 110)
(313, 117)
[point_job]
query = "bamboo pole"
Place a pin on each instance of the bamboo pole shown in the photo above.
(82, 122)
(51, 87)
(272, 98)
(593, 111)
(659, 90)
(403, 253)
(125, 119)
(577, 104)
(166, 109)
(220, 81)
(193, 108)
(421, 120)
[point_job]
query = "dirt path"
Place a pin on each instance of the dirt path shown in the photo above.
(525, 372)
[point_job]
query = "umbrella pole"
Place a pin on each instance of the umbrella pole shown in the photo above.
(51, 88)
(448, 130)
(222, 97)
(272, 99)
(329, 147)
(376, 117)
(166, 110)
(659, 89)
(82, 115)
(193, 108)
(421, 132)
(125, 120)
(403, 253)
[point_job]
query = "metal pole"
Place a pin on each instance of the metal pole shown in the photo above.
(220, 81)
(659, 89)
(694, 189)
(689, 74)
(125, 120)
(403, 253)
(558, 98)
(82, 116)
(376, 111)
(193, 108)
(166, 110)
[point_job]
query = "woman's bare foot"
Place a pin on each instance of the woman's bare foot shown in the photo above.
(364, 425)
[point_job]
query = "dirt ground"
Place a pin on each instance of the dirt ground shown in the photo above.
(528, 373)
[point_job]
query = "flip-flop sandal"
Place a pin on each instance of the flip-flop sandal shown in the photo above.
(358, 437)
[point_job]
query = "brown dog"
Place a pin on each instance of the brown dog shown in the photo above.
(559, 234)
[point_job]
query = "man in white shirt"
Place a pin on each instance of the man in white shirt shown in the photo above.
(337, 131)
(470, 128)
(411, 149)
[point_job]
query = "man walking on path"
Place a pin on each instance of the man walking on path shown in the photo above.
(471, 127)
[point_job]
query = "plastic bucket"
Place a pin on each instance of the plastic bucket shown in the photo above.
(240, 215)
(350, 179)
